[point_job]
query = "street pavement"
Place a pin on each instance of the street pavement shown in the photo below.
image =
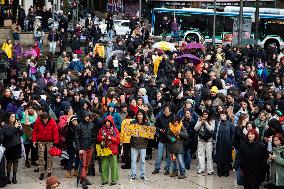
(27, 179)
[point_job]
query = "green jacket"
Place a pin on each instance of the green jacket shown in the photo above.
(277, 167)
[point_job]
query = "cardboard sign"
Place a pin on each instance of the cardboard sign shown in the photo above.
(142, 131)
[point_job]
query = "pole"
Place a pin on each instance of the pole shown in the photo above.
(174, 11)
(256, 23)
(214, 25)
(241, 23)
(140, 10)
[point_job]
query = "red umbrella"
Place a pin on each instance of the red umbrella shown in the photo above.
(195, 46)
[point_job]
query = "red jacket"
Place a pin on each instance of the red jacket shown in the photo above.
(45, 133)
(113, 132)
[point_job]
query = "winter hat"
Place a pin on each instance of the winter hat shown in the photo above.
(111, 105)
(52, 180)
(143, 91)
(190, 101)
(176, 82)
(214, 89)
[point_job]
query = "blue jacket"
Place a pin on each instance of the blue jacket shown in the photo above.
(115, 116)
(76, 65)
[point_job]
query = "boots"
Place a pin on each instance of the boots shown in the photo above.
(14, 178)
(68, 174)
(75, 173)
(9, 179)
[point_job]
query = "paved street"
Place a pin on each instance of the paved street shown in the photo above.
(27, 179)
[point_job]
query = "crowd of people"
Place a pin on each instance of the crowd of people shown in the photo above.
(225, 108)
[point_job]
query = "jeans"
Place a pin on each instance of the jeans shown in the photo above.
(179, 157)
(16, 36)
(73, 156)
(52, 47)
(187, 158)
(134, 155)
(240, 179)
(109, 35)
(161, 148)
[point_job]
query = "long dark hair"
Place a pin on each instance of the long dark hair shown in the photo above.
(143, 113)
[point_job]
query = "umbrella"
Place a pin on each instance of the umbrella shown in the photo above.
(166, 46)
(189, 57)
(195, 46)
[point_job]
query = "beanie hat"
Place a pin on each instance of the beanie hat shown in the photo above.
(143, 91)
(214, 89)
(52, 180)
(176, 82)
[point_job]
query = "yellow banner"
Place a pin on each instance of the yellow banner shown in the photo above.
(136, 130)
(2, 2)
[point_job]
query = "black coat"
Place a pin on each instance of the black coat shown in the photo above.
(85, 135)
(224, 140)
(191, 142)
(162, 122)
(12, 136)
(251, 158)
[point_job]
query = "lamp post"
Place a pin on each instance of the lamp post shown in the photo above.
(214, 25)
(256, 23)
(240, 33)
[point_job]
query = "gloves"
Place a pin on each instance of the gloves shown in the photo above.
(172, 139)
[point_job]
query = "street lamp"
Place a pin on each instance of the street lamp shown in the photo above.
(214, 25)
(240, 33)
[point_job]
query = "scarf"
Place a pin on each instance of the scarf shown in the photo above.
(175, 129)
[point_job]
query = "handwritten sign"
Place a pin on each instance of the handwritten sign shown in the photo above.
(142, 131)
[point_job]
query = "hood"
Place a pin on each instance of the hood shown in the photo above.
(109, 118)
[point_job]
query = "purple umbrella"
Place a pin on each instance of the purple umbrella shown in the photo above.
(189, 57)
(195, 46)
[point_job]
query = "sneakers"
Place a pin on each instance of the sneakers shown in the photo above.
(174, 174)
(155, 172)
(75, 173)
(200, 172)
(167, 173)
(41, 176)
(181, 177)
(132, 178)
(68, 174)
(113, 183)
(210, 173)
(143, 178)
(85, 183)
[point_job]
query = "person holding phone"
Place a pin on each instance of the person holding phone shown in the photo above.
(205, 127)
(12, 130)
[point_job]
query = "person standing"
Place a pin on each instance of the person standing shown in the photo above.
(63, 40)
(45, 133)
(177, 134)
(162, 125)
(73, 153)
(276, 161)
(205, 127)
(7, 47)
(16, 30)
(53, 37)
(138, 146)
(21, 17)
(110, 26)
(12, 130)
(252, 157)
(223, 149)
(39, 36)
(109, 140)
(31, 19)
(85, 140)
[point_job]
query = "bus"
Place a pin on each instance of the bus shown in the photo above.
(197, 24)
